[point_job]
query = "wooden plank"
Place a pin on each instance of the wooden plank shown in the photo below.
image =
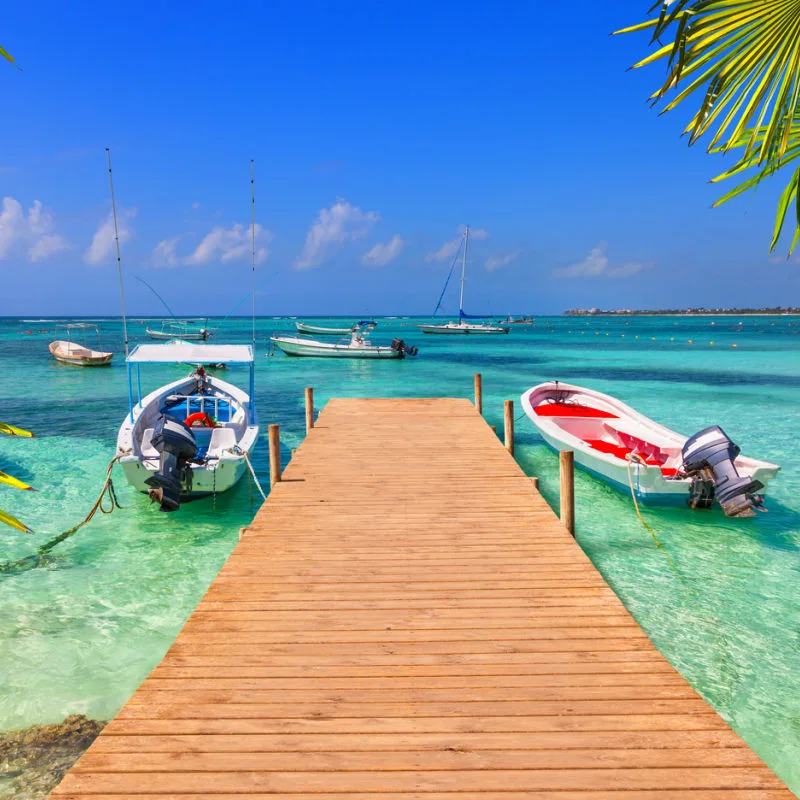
(406, 618)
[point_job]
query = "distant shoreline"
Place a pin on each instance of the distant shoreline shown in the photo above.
(795, 312)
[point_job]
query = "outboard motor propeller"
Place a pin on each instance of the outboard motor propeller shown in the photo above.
(405, 349)
(176, 446)
(708, 458)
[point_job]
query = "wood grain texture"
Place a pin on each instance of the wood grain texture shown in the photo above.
(407, 618)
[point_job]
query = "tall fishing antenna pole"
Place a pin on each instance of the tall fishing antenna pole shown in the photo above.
(253, 240)
(119, 259)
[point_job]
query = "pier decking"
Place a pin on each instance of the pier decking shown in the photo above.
(407, 618)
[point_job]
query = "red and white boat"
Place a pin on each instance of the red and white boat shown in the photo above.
(628, 450)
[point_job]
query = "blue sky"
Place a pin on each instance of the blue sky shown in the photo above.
(378, 129)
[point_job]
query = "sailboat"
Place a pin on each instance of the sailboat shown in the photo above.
(462, 326)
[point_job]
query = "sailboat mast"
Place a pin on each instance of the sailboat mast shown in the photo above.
(253, 241)
(119, 260)
(463, 273)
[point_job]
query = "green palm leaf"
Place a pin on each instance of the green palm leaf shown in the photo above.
(7, 519)
(739, 61)
(10, 480)
(12, 431)
(5, 54)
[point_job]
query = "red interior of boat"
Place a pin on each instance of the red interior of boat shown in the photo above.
(571, 410)
(651, 454)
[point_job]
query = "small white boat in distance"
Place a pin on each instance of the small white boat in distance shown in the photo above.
(357, 346)
(69, 352)
(191, 437)
(320, 330)
(184, 329)
(629, 451)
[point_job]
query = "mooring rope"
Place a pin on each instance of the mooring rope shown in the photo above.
(634, 458)
(253, 473)
(34, 560)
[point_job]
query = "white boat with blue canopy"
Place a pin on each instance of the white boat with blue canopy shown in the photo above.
(191, 437)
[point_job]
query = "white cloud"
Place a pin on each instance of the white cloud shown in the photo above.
(597, 265)
(164, 254)
(330, 231)
(102, 246)
(230, 244)
(31, 233)
(195, 205)
(383, 254)
(496, 262)
(450, 248)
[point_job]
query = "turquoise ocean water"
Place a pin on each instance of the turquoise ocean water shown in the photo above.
(721, 600)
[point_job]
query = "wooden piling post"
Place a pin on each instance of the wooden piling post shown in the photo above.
(479, 392)
(535, 482)
(508, 413)
(309, 409)
(274, 454)
(567, 464)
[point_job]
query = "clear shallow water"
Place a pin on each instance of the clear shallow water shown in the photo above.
(721, 600)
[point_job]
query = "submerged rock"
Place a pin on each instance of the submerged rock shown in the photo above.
(33, 760)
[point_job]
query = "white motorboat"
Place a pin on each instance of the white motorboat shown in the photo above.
(184, 329)
(69, 352)
(357, 346)
(631, 452)
(191, 437)
(320, 330)
(462, 327)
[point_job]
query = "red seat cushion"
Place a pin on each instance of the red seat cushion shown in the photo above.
(571, 410)
(608, 447)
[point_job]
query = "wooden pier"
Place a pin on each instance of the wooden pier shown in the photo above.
(406, 618)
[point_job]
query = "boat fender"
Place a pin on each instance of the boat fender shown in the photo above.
(200, 416)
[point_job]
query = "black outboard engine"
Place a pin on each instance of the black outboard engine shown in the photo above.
(176, 447)
(708, 458)
(405, 349)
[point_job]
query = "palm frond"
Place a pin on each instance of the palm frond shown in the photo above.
(7, 519)
(744, 54)
(790, 198)
(5, 54)
(10, 430)
(10, 480)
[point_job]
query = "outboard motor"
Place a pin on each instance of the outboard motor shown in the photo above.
(176, 447)
(708, 458)
(405, 349)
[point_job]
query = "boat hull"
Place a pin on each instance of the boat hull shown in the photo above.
(602, 443)
(164, 336)
(464, 330)
(303, 347)
(70, 353)
(317, 330)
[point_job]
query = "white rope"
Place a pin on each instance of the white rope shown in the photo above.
(253, 473)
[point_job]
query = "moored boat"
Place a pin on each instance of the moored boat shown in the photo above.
(180, 329)
(357, 346)
(191, 437)
(633, 453)
(462, 327)
(321, 330)
(69, 352)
